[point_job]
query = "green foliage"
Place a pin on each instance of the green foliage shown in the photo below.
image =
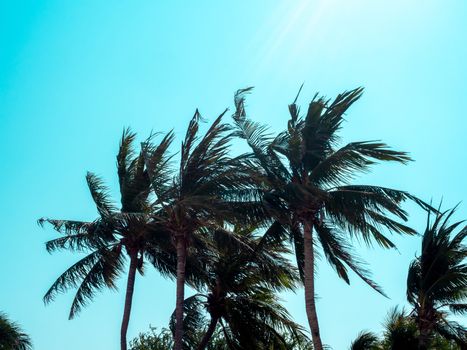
(11, 336)
(163, 340)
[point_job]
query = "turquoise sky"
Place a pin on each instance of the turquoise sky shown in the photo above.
(74, 73)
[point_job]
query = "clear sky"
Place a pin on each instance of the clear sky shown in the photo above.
(74, 73)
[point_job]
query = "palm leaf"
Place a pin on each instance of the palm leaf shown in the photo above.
(354, 158)
(338, 253)
(100, 195)
(102, 273)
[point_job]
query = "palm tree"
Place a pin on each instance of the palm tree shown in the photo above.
(307, 189)
(203, 195)
(153, 341)
(437, 281)
(238, 295)
(400, 332)
(11, 335)
(115, 234)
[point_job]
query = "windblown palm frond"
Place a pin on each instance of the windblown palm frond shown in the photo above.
(95, 271)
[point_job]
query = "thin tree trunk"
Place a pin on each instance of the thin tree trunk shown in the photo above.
(310, 286)
(423, 340)
(181, 262)
(424, 336)
(207, 336)
(128, 300)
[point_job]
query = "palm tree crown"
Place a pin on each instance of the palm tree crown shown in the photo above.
(437, 280)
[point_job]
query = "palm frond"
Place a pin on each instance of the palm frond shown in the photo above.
(193, 321)
(459, 309)
(190, 139)
(96, 270)
(338, 253)
(259, 139)
(322, 121)
(157, 160)
(454, 331)
(356, 157)
(68, 227)
(103, 273)
(125, 156)
(363, 210)
(100, 194)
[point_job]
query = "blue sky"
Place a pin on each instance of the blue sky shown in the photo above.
(74, 73)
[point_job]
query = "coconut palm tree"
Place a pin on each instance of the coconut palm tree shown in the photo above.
(204, 194)
(307, 189)
(238, 295)
(437, 281)
(11, 335)
(117, 234)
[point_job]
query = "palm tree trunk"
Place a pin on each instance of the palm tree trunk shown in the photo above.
(181, 263)
(207, 336)
(424, 336)
(128, 300)
(423, 340)
(310, 286)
